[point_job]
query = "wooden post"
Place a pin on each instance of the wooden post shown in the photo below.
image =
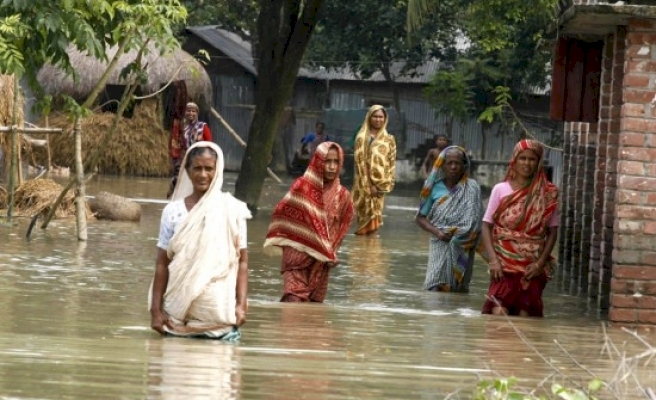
(19, 160)
(80, 196)
(49, 166)
(13, 144)
(240, 140)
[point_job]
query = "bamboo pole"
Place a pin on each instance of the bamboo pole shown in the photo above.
(80, 197)
(240, 140)
(13, 143)
(19, 160)
(49, 166)
(31, 130)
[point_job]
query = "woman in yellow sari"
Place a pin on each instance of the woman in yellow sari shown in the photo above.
(375, 166)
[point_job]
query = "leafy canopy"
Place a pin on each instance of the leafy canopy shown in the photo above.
(368, 35)
(36, 32)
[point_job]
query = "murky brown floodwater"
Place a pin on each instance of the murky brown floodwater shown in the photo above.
(74, 322)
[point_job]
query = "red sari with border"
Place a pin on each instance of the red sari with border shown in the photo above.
(309, 224)
(519, 234)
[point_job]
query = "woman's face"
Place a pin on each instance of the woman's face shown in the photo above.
(377, 119)
(191, 114)
(454, 166)
(526, 164)
(201, 171)
(330, 166)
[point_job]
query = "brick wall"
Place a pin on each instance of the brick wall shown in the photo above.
(633, 284)
(568, 249)
(605, 180)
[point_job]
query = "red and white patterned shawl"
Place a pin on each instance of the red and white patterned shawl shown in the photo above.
(520, 221)
(313, 217)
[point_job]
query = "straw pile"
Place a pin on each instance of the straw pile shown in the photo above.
(36, 196)
(3, 198)
(139, 146)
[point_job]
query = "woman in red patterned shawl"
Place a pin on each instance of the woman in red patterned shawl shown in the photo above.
(519, 232)
(309, 224)
(183, 137)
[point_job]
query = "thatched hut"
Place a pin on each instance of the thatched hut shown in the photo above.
(140, 144)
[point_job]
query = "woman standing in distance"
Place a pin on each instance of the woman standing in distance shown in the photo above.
(375, 168)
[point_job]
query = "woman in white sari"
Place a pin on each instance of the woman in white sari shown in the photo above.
(201, 272)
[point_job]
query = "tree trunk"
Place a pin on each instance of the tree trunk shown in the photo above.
(484, 128)
(399, 132)
(80, 196)
(449, 129)
(284, 30)
(278, 155)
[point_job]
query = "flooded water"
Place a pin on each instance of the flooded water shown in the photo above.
(74, 321)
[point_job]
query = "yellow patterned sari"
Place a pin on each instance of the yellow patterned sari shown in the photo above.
(375, 163)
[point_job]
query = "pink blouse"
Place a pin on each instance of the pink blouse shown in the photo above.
(502, 190)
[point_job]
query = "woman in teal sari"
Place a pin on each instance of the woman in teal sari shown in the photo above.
(450, 210)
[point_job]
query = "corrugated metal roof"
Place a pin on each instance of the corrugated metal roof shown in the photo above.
(421, 74)
(239, 51)
(233, 46)
(227, 42)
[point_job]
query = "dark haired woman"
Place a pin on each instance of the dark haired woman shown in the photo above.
(450, 210)
(309, 224)
(520, 228)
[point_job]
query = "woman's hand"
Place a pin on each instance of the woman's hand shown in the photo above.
(373, 191)
(533, 270)
(240, 314)
(495, 270)
(444, 236)
(158, 321)
(333, 264)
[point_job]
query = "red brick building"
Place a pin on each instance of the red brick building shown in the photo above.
(604, 87)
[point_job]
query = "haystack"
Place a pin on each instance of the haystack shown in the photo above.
(36, 196)
(140, 146)
(3, 198)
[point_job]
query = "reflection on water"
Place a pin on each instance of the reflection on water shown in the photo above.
(192, 369)
(74, 322)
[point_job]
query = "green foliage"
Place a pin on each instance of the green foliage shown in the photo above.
(36, 32)
(368, 35)
(449, 92)
(498, 24)
(238, 16)
(506, 389)
(491, 24)
(501, 100)
(508, 48)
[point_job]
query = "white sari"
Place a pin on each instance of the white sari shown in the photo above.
(200, 296)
